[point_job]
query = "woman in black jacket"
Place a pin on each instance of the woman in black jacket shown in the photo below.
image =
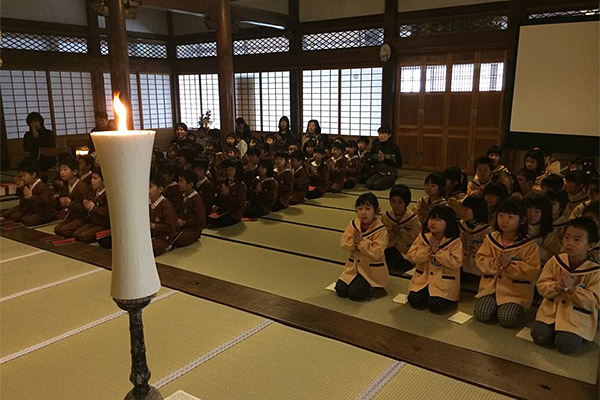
(38, 137)
(385, 160)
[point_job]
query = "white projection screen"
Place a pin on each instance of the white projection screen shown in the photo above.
(557, 82)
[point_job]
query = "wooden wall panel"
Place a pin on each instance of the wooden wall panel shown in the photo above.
(460, 110)
(457, 153)
(489, 109)
(433, 112)
(408, 110)
(432, 155)
(409, 145)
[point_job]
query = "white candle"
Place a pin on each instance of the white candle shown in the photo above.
(125, 157)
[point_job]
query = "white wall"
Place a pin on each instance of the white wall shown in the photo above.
(412, 5)
(315, 10)
(57, 11)
(148, 21)
(185, 24)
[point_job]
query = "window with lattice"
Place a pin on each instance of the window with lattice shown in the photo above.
(155, 93)
(591, 13)
(462, 77)
(343, 39)
(73, 102)
(360, 103)
(275, 90)
(410, 79)
(247, 99)
(276, 44)
(190, 106)
(435, 78)
(135, 102)
(35, 42)
(23, 92)
(320, 98)
(209, 93)
(196, 50)
(139, 49)
(491, 77)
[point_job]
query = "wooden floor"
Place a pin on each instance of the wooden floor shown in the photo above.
(265, 287)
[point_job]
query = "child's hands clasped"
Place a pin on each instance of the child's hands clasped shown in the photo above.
(566, 281)
(88, 205)
(357, 236)
(504, 261)
(434, 245)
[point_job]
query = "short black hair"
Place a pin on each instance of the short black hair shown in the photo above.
(87, 159)
(182, 125)
(282, 154)
(449, 216)
(364, 139)
(339, 145)
(401, 191)
(495, 149)
(253, 151)
(543, 204)
(297, 155)
(189, 176)
(351, 143)
(158, 180)
(268, 165)
(29, 165)
(384, 129)
(538, 156)
(437, 179)
(578, 177)
(188, 153)
(98, 171)
(367, 198)
(455, 174)
(34, 116)
(201, 163)
(553, 181)
(516, 207)
(68, 161)
(496, 189)
(319, 150)
(560, 196)
(478, 206)
(482, 160)
(529, 175)
(588, 225)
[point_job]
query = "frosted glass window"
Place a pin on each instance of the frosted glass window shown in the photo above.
(320, 99)
(462, 77)
(410, 79)
(73, 102)
(435, 79)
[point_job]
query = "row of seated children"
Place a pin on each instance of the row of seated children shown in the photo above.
(508, 260)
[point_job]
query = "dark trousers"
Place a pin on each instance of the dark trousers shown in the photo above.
(349, 184)
(278, 206)
(314, 194)
(565, 342)
(422, 300)
(187, 236)
(87, 233)
(397, 264)
(68, 227)
(380, 182)
(223, 221)
(27, 218)
(254, 210)
(358, 289)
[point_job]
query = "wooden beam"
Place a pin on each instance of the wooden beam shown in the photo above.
(211, 7)
(390, 31)
(295, 73)
(225, 62)
(4, 159)
(93, 29)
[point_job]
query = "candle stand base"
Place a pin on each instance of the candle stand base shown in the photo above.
(140, 373)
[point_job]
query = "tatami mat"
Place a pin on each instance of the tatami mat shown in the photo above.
(8, 204)
(95, 364)
(11, 249)
(37, 270)
(317, 216)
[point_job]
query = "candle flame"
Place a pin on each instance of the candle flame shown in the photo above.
(120, 112)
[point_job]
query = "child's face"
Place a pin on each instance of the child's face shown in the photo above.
(280, 162)
(200, 172)
(362, 146)
(531, 164)
(534, 216)
(467, 214)
(495, 159)
(253, 158)
(491, 200)
(309, 149)
(312, 127)
(183, 185)
(66, 173)
(384, 137)
(27, 178)
(171, 154)
(524, 184)
(431, 189)
(576, 242)
(295, 163)
(292, 148)
(436, 225)
(336, 152)
(262, 170)
(83, 167)
(508, 222)
(230, 154)
(556, 212)
(269, 141)
(483, 172)
(154, 192)
(350, 150)
(575, 167)
(366, 213)
(182, 161)
(318, 156)
(181, 133)
(450, 186)
(398, 205)
(252, 143)
(230, 140)
(572, 187)
(97, 182)
(230, 172)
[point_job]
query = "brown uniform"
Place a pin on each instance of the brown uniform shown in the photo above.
(268, 194)
(574, 201)
(318, 176)
(367, 258)
(440, 272)
(578, 209)
(424, 205)
(500, 168)
(472, 238)
(403, 232)
(164, 216)
(206, 190)
(76, 214)
(234, 202)
(574, 311)
(549, 244)
(191, 210)
(35, 210)
(338, 173)
(172, 193)
(87, 177)
(300, 186)
(353, 168)
(97, 220)
(285, 180)
(515, 283)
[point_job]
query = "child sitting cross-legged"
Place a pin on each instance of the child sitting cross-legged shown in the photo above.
(72, 195)
(191, 214)
(98, 218)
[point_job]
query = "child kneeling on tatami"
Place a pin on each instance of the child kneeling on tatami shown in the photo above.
(366, 239)
(570, 285)
(509, 262)
(437, 254)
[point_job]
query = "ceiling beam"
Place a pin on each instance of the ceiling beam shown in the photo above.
(207, 7)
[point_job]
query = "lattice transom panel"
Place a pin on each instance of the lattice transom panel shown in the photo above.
(139, 49)
(343, 40)
(266, 45)
(458, 24)
(28, 41)
(196, 50)
(566, 14)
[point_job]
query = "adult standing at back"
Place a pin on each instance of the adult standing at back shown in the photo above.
(385, 160)
(285, 133)
(313, 132)
(38, 137)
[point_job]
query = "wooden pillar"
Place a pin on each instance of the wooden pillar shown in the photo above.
(225, 64)
(390, 31)
(4, 160)
(295, 73)
(93, 29)
(118, 57)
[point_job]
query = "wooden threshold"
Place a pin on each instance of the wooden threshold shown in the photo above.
(492, 373)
